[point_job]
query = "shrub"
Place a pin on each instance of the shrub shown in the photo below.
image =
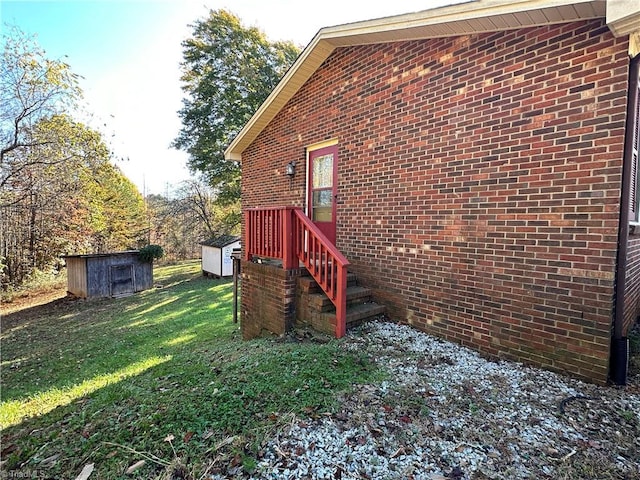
(150, 252)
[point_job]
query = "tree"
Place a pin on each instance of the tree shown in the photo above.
(189, 217)
(117, 212)
(43, 213)
(204, 214)
(228, 71)
(32, 88)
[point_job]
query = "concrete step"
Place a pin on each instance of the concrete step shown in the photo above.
(355, 295)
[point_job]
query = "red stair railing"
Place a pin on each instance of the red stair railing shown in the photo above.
(325, 263)
(286, 233)
(268, 234)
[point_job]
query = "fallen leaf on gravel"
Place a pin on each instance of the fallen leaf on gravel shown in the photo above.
(397, 452)
(135, 467)
(236, 460)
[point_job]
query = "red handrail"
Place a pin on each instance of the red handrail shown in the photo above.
(286, 233)
(325, 263)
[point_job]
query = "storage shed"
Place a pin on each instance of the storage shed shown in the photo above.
(107, 274)
(216, 255)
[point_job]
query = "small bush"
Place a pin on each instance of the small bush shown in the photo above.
(150, 253)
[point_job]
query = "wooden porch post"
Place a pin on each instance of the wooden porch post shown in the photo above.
(289, 260)
(248, 246)
(341, 302)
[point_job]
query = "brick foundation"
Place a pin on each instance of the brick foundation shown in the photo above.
(268, 299)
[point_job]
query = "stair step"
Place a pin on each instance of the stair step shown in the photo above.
(316, 310)
(363, 311)
(356, 314)
(355, 294)
(308, 285)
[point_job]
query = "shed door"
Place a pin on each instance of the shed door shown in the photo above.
(323, 189)
(121, 279)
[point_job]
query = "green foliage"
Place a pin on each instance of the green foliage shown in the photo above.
(228, 71)
(37, 144)
(107, 377)
(118, 217)
(37, 283)
(150, 253)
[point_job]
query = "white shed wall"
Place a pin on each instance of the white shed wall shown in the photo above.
(211, 260)
(218, 261)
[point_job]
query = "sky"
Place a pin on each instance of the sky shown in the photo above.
(128, 53)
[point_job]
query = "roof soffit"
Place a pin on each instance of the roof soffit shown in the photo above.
(623, 16)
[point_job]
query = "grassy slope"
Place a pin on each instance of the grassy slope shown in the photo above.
(92, 381)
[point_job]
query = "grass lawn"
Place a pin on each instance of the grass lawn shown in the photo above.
(160, 377)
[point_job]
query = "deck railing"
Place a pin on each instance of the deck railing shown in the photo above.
(286, 233)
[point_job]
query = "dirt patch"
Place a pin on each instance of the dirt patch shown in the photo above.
(29, 299)
(30, 311)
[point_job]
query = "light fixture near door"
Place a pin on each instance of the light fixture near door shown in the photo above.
(291, 169)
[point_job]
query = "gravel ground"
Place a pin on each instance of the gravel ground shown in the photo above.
(447, 413)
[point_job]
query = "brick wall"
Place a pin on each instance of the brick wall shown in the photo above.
(478, 183)
(268, 299)
(632, 290)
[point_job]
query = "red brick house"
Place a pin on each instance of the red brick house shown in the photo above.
(473, 166)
